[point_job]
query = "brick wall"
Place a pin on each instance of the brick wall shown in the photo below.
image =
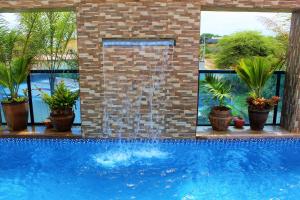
(135, 89)
(275, 5)
(17, 5)
(180, 21)
(291, 107)
(252, 5)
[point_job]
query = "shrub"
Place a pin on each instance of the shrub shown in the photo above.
(255, 72)
(220, 89)
(245, 44)
(61, 99)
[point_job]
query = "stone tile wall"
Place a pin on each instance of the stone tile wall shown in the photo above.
(135, 94)
(21, 5)
(252, 5)
(242, 5)
(176, 20)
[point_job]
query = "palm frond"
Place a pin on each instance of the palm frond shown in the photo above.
(217, 87)
(255, 72)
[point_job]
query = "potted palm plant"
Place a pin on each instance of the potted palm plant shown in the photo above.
(61, 104)
(17, 50)
(220, 116)
(255, 72)
(15, 107)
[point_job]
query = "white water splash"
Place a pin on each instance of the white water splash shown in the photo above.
(121, 157)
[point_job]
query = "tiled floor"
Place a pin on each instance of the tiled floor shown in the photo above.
(206, 132)
(40, 132)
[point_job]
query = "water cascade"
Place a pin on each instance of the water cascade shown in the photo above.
(135, 74)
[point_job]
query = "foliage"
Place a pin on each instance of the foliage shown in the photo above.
(13, 76)
(16, 54)
(61, 99)
(245, 44)
(8, 40)
(262, 103)
(54, 32)
(255, 72)
(219, 88)
(280, 25)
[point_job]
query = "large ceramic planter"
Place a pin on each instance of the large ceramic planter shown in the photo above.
(258, 118)
(16, 115)
(220, 118)
(62, 121)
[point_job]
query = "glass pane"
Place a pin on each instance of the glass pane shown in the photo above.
(238, 101)
(42, 81)
(281, 93)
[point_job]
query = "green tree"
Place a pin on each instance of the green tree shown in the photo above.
(53, 33)
(16, 52)
(280, 25)
(245, 44)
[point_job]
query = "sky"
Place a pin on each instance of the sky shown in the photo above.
(11, 18)
(220, 23)
(225, 23)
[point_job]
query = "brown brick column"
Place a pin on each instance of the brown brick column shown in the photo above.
(89, 53)
(290, 119)
(134, 19)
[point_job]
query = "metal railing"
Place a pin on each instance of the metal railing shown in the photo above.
(278, 91)
(32, 117)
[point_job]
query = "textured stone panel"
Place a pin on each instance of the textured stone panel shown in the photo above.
(283, 5)
(257, 5)
(140, 20)
(89, 67)
(134, 89)
(291, 103)
(15, 5)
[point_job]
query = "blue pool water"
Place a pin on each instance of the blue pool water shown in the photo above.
(171, 169)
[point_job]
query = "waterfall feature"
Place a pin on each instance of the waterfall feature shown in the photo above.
(135, 74)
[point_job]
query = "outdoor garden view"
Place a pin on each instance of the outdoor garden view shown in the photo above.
(221, 54)
(48, 41)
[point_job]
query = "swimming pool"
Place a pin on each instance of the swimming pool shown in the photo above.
(171, 169)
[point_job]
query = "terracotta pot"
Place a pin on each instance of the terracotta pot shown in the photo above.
(238, 122)
(16, 115)
(220, 118)
(258, 118)
(62, 121)
(48, 123)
